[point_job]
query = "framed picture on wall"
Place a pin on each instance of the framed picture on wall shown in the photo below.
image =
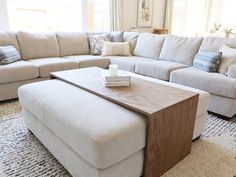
(145, 13)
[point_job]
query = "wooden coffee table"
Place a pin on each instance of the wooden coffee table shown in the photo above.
(170, 114)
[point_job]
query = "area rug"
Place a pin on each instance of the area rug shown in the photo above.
(21, 154)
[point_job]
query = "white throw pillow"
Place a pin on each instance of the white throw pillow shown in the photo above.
(116, 49)
(228, 58)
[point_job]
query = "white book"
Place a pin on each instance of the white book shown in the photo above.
(117, 84)
(121, 76)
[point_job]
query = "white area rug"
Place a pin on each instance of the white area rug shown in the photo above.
(21, 154)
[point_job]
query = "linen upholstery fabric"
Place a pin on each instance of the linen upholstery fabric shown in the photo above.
(128, 63)
(213, 83)
(9, 38)
(158, 69)
(180, 49)
(85, 61)
(96, 43)
(116, 49)
(48, 65)
(149, 45)
(117, 36)
(38, 45)
(18, 71)
(213, 44)
(232, 71)
(207, 61)
(73, 43)
(9, 90)
(8, 54)
(228, 58)
(101, 139)
(132, 37)
(77, 166)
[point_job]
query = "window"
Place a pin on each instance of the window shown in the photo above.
(197, 17)
(59, 15)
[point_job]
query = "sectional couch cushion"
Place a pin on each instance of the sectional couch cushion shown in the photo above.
(73, 43)
(132, 37)
(232, 71)
(228, 58)
(149, 45)
(158, 69)
(47, 65)
(9, 38)
(104, 138)
(214, 83)
(38, 45)
(85, 61)
(180, 49)
(128, 63)
(213, 44)
(18, 71)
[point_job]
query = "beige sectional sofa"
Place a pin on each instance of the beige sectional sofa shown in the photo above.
(168, 58)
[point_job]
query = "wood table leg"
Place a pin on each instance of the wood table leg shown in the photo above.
(169, 137)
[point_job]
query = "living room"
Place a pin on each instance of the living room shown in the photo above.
(118, 88)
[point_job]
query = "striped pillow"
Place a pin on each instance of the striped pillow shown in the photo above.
(207, 61)
(8, 54)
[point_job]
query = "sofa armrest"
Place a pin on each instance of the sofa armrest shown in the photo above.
(232, 71)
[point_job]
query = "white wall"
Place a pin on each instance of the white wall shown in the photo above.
(4, 25)
(129, 14)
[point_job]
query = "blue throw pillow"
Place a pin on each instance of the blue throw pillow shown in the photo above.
(8, 54)
(207, 61)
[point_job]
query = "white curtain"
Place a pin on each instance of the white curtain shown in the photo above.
(168, 15)
(198, 17)
(115, 15)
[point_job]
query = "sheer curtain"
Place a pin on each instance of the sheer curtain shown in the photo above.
(198, 17)
(115, 15)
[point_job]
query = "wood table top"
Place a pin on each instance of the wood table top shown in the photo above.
(143, 96)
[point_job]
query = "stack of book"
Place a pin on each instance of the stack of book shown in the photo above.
(120, 80)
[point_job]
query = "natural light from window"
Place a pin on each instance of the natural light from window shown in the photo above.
(59, 15)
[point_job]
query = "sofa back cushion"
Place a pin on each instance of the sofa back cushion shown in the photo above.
(213, 44)
(132, 38)
(180, 49)
(38, 45)
(9, 38)
(149, 45)
(73, 43)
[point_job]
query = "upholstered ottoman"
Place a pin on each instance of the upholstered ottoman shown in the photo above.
(90, 136)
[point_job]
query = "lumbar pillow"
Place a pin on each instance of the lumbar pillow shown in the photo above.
(117, 36)
(8, 54)
(228, 58)
(96, 43)
(149, 45)
(207, 61)
(116, 49)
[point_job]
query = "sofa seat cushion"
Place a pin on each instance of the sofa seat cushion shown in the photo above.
(48, 65)
(18, 71)
(99, 131)
(213, 83)
(128, 63)
(158, 69)
(85, 61)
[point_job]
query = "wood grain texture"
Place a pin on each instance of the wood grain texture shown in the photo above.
(170, 114)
